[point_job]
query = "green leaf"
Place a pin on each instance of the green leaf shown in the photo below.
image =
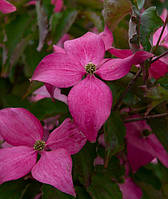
(93, 5)
(34, 85)
(54, 21)
(149, 23)
(15, 101)
(65, 23)
(32, 190)
(115, 170)
(148, 176)
(48, 7)
(83, 164)
(149, 192)
(114, 132)
(149, 183)
(47, 108)
(81, 193)
(49, 192)
(102, 187)
(15, 31)
(19, 50)
(114, 11)
(140, 4)
(13, 189)
(95, 18)
(163, 81)
(31, 58)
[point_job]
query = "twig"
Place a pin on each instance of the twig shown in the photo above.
(130, 84)
(160, 56)
(146, 117)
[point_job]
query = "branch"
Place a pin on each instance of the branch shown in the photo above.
(160, 56)
(146, 117)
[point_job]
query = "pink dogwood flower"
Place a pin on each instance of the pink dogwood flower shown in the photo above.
(90, 99)
(6, 7)
(24, 131)
(143, 149)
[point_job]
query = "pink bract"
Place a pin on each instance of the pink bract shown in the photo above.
(156, 35)
(90, 99)
(130, 190)
(58, 4)
(157, 69)
(23, 130)
(6, 7)
(47, 92)
(143, 149)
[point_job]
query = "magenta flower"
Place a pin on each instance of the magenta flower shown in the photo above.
(90, 99)
(6, 7)
(23, 130)
(143, 149)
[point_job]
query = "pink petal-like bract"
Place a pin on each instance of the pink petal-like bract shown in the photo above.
(144, 147)
(59, 70)
(6, 7)
(90, 104)
(58, 49)
(88, 48)
(48, 91)
(107, 37)
(120, 53)
(130, 190)
(54, 168)
(16, 162)
(118, 68)
(20, 127)
(158, 69)
(164, 37)
(58, 5)
(64, 38)
(66, 136)
(137, 157)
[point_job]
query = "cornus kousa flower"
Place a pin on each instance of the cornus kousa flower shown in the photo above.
(90, 99)
(24, 132)
(6, 7)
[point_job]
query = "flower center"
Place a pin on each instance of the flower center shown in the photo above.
(39, 145)
(90, 68)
